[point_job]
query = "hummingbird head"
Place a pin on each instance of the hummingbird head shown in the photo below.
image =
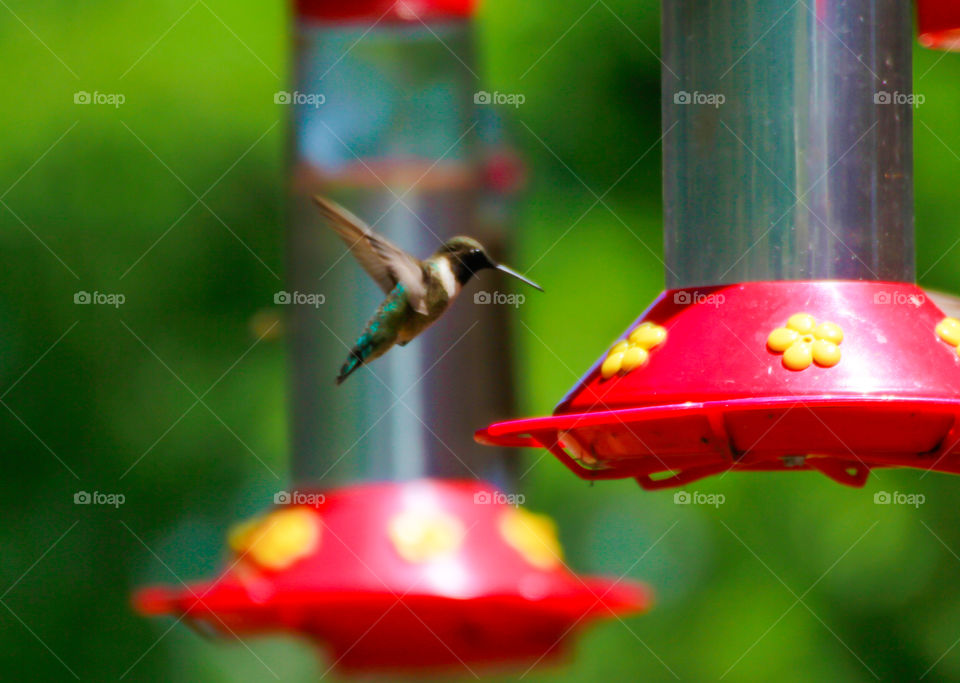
(467, 257)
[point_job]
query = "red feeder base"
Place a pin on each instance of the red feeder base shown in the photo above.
(938, 24)
(419, 575)
(708, 386)
(402, 11)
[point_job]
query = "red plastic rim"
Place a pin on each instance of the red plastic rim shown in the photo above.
(386, 10)
(715, 432)
(938, 24)
(713, 397)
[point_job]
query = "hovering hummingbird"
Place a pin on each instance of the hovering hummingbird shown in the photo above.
(418, 292)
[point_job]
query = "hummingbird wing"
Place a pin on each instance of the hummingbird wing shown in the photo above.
(385, 262)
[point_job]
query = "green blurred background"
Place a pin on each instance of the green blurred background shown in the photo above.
(794, 578)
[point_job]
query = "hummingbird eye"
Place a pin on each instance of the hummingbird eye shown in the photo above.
(473, 259)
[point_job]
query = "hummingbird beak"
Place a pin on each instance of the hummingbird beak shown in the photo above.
(512, 273)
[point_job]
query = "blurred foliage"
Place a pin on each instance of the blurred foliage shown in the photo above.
(795, 578)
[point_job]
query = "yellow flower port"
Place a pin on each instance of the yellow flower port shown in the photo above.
(426, 535)
(634, 351)
(277, 540)
(804, 342)
(533, 536)
(948, 330)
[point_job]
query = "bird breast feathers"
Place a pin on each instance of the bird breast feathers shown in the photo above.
(447, 278)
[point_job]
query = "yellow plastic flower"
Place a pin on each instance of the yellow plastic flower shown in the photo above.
(278, 539)
(634, 351)
(948, 330)
(533, 536)
(425, 535)
(803, 342)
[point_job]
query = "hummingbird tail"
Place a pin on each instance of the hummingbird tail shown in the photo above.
(353, 362)
(378, 337)
(361, 352)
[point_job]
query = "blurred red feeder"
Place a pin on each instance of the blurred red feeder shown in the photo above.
(385, 10)
(424, 574)
(938, 24)
(712, 395)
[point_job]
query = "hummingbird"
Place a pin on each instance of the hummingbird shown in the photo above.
(418, 291)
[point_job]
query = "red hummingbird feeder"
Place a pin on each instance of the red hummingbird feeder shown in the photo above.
(938, 24)
(414, 567)
(791, 335)
(424, 574)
